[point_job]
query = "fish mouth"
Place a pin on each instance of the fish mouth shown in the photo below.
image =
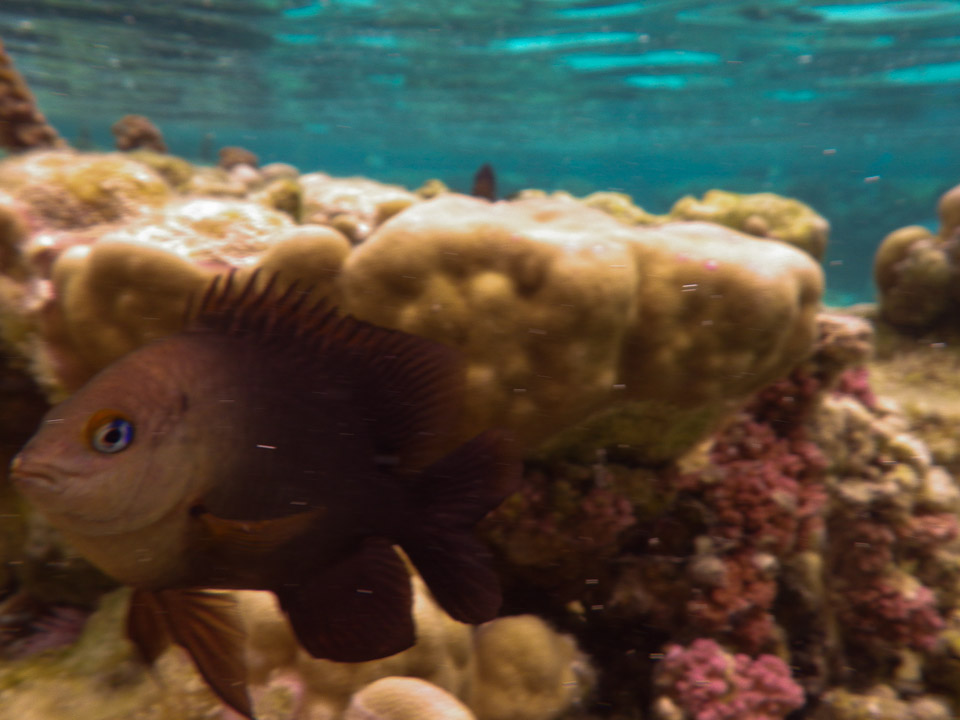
(33, 478)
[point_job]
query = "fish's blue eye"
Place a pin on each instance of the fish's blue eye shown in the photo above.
(109, 433)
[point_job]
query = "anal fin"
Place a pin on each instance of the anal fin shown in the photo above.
(454, 494)
(147, 626)
(357, 610)
(207, 625)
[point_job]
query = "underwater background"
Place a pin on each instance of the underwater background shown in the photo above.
(849, 107)
(551, 276)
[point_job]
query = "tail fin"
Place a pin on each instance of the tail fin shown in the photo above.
(451, 497)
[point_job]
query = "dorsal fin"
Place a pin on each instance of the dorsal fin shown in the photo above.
(485, 183)
(408, 387)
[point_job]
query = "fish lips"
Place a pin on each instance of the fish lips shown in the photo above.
(32, 480)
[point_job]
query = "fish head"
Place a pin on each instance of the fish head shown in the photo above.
(115, 457)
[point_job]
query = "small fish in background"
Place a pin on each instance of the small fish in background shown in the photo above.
(275, 446)
(485, 183)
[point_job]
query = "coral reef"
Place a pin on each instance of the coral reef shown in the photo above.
(136, 132)
(71, 191)
(916, 272)
(660, 322)
(761, 214)
(354, 206)
(231, 157)
(722, 507)
(561, 310)
(510, 668)
(703, 682)
(22, 125)
(812, 526)
(405, 698)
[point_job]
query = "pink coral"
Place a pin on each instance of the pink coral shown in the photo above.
(763, 491)
(708, 683)
(926, 532)
(563, 518)
(856, 383)
(868, 546)
(881, 614)
(739, 605)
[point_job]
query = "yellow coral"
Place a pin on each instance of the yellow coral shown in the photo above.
(355, 206)
(132, 285)
(914, 275)
(115, 297)
(620, 206)
(70, 190)
(761, 214)
(514, 668)
(526, 671)
(560, 309)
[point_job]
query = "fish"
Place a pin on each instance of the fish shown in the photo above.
(274, 444)
(485, 183)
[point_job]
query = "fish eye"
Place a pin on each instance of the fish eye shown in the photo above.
(109, 431)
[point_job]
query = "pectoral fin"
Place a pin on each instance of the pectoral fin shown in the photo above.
(147, 626)
(257, 537)
(357, 610)
(207, 625)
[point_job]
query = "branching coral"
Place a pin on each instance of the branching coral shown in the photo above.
(703, 682)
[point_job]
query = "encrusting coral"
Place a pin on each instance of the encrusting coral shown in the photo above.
(22, 125)
(761, 214)
(73, 191)
(354, 206)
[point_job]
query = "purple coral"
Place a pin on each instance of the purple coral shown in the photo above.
(708, 683)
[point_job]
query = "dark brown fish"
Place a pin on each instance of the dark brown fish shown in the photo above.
(279, 447)
(485, 183)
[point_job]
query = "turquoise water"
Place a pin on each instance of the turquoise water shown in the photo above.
(851, 107)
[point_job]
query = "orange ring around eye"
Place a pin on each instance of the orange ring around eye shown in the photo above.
(99, 422)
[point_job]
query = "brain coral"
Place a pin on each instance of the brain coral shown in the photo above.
(561, 309)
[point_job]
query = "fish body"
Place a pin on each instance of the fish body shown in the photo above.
(485, 183)
(276, 447)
